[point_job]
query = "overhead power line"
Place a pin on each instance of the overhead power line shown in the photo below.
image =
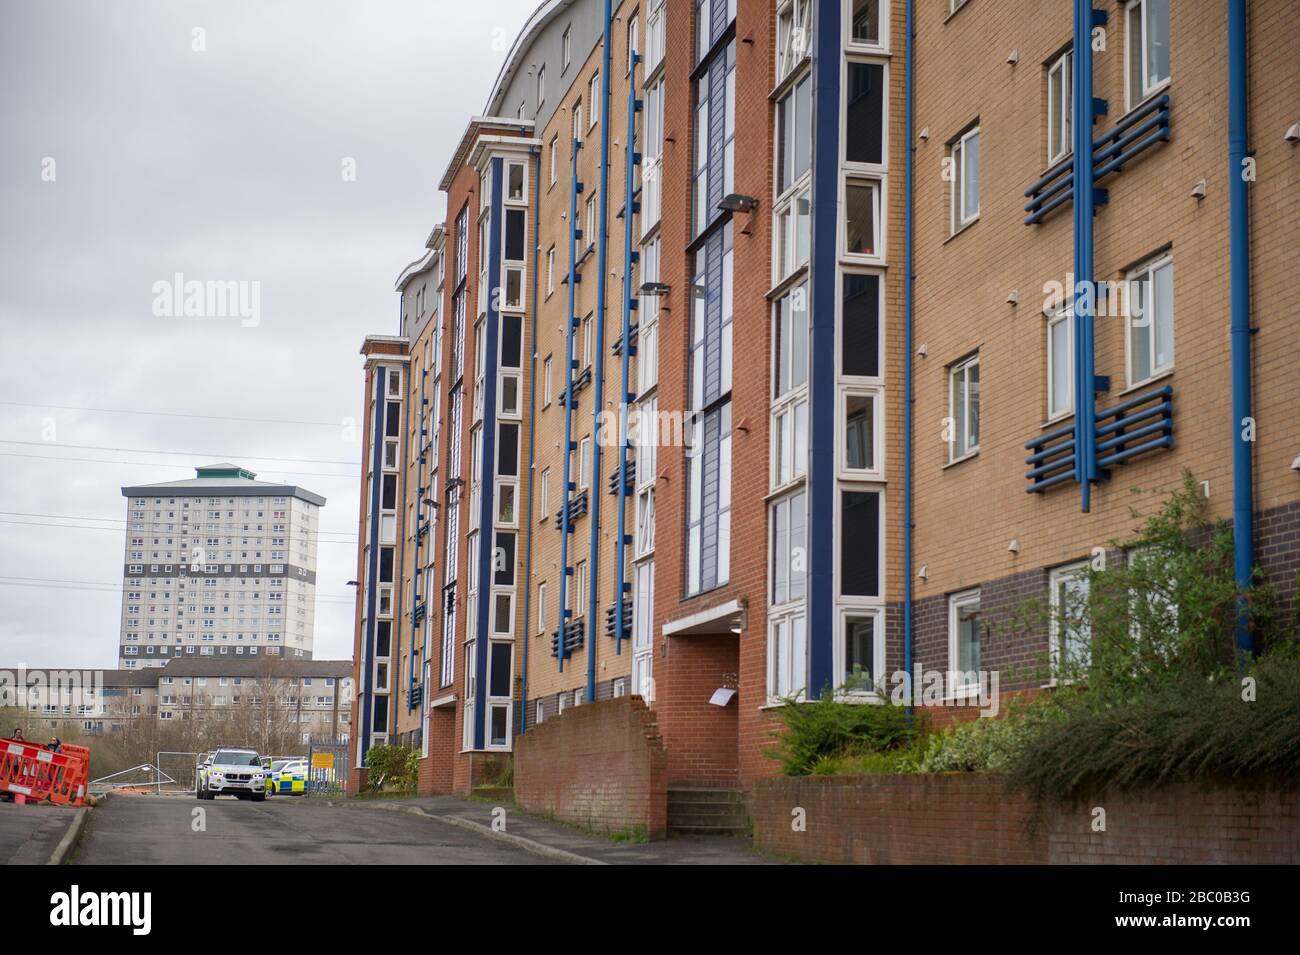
(172, 414)
(163, 464)
(187, 454)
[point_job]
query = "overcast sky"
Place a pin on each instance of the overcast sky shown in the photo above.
(225, 164)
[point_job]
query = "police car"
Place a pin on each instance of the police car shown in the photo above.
(233, 772)
(287, 777)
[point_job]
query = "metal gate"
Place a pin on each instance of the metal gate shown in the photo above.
(176, 772)
(327, 769)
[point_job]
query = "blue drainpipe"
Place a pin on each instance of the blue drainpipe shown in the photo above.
(1085, 421)
(907, 357)
(532, 427)
(630, 207)
(598, 373)
(487, 462)
(1243, 498)
(566, 524)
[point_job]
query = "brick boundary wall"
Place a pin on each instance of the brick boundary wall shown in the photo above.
(971, 818)
(601, 765)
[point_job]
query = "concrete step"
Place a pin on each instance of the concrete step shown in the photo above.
(705, 810)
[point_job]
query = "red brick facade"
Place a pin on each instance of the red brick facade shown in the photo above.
(601, 766)
(969, 819)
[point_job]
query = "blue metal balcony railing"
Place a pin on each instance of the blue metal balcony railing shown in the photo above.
(577, 508)
(414, 695)
(632, 335)
(582, 380)
(611, 616)
(1140, 424)
(1134, 134)
(573, 635)
(631, 478)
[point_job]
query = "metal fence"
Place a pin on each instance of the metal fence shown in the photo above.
(327, 770)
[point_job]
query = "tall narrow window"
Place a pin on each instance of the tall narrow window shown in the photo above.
(593, 98)
(965, 173)
(541, 85)
(964, 408)
(964, 642)
(566, 48)
(1150, 320)
(1060, 363)
(1146, 23)
(1071, 631)
(1060, 108)
(793, 35)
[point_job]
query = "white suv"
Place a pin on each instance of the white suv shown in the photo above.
(233, 772)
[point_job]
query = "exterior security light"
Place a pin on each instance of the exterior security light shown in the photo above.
(654, 288)
(735, 202)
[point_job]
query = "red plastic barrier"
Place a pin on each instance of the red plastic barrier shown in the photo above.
(37, 772)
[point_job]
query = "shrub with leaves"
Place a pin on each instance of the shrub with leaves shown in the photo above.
(817, 736)
(395, 765)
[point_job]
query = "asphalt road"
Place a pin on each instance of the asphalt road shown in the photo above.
(148, 830)
(28, 834)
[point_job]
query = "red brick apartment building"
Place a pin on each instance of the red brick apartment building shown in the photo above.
(664, 416)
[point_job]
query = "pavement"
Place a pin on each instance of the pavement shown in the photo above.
(179, 830)
(30, 833)
(565, 843)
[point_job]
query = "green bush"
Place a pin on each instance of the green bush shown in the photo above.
(395, 765)
(1235, 728)
(984, 745)
(819, 736)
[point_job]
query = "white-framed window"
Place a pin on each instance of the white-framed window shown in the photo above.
(550, 270)
(656, 15)
(647, 352)
(964, 172)
(541, 607)
(578, 606)
(645, 522)
(860, 649)
(566, 48)
(1060, 108)
(544, 494)
(555, 142)
(964, 408)
(861, 221)
(1060, 362)
(789, 556)
(547, 393)
(633, 38)
(652, 146)
(964, 632)
(593, 97)
(588, 354)
(643, 627)
(578, 128)
(860, 417)
(584, 463)
(790, 387)
(955, 5)
(1146, 48)
(866, 26)
(794, 23)
(541, 85)
(1150, 320)
(1070, 629)
(792, 207)
(539, 712)
(787, 656)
